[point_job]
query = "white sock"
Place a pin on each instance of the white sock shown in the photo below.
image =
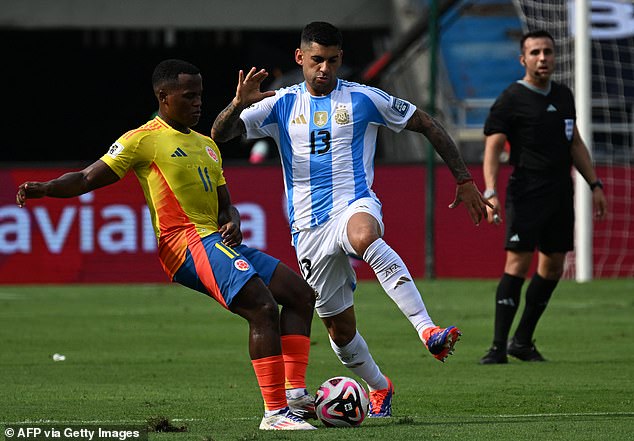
(268, 413)
(397, 282)
(297, 392)
(356, 357)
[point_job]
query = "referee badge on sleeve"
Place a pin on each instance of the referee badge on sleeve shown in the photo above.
(570, 124)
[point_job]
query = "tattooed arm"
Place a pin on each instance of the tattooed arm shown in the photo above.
(466, 190)
(228, 124)
(422, 122)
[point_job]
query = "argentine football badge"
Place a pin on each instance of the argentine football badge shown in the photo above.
(342, 116)
(320, 118)
(570, 124)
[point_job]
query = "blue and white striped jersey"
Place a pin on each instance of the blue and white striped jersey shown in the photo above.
(326, 144)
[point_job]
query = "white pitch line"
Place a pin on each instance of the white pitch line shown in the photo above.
(550, 415)
(5, 295)
(492, 417)
(113, 422)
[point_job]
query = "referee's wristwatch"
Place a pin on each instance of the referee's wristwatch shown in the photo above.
(489, 193)
(596, 184)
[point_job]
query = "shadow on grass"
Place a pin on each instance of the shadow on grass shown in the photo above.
(500, 419)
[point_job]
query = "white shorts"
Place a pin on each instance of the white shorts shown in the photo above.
(323, 255)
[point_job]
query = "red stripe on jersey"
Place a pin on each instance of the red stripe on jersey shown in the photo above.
(173, 224)
(161, 122)
(155, 124)
(177, 234)
(203, 266)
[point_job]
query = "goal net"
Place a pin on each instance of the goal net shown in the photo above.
(612, 44)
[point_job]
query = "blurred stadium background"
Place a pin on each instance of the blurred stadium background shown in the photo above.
(78, 75)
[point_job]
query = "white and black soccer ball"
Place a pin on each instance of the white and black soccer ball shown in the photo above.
(341, 402)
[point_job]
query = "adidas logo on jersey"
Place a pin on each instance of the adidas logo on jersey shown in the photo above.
(551, 108)
(514, 238)
(178, 153)
(299, 120)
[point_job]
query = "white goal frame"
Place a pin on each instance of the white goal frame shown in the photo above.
(583, 102)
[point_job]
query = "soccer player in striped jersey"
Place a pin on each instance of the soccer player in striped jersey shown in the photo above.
(199, 237)
(326, 130)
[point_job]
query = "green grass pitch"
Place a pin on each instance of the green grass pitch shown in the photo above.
(137, 352)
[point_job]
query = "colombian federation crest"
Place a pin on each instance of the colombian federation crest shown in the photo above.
(211, 153)
(342, 116)
(241, 264)
(320, 118)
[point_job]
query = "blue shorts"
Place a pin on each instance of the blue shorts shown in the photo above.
(220, 271)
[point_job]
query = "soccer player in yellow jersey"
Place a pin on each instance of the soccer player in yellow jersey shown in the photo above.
(199, 238)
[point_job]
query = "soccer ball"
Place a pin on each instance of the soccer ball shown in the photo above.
(341, 402)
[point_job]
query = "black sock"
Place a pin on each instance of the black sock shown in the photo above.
(507, 298)
(537, 295)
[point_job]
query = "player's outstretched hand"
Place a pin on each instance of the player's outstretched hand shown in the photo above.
(248, 90)
(29, 190)
(476, 205)
(231, 234)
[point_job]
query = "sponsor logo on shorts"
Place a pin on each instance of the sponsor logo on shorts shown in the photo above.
(305, 266)
(514, 238)
(241, 264)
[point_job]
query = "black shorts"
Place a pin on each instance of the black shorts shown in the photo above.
(540, 215)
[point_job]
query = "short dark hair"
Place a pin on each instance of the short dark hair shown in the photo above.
(321, 33)
(539, 33)
(167, 71)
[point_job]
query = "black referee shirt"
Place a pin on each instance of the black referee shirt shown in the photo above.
(538, 125)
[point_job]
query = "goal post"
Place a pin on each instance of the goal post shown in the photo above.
(583, 102)
(595, 47)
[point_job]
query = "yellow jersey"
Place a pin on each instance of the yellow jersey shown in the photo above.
(179, 174)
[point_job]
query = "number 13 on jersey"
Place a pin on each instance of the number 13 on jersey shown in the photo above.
(319, 142)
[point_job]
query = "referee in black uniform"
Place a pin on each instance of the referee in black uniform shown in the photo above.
(536, 116)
